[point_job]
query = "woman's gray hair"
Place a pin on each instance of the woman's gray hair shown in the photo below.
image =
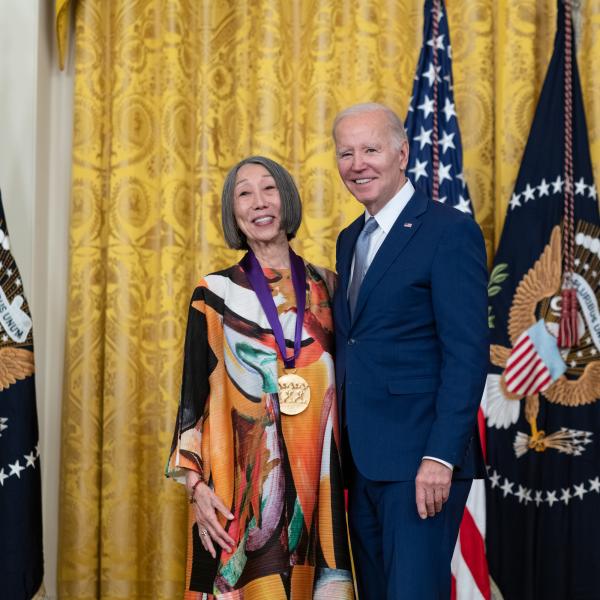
(291, 205)
(397, 130)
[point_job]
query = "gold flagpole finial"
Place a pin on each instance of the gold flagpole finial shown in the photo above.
(63, 22)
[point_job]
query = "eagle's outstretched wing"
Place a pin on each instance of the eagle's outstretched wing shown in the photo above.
(584, 390)
(499, 355)
(541, 281)
(15, 364)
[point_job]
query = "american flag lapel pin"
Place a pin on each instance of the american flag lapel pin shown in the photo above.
(409, 225)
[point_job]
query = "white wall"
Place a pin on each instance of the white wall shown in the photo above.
(18, 66)
(35, 158)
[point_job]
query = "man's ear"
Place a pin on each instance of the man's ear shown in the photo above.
(404, 155)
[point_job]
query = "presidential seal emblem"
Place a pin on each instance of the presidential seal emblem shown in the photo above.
(535, 369)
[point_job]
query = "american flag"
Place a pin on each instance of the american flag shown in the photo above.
(435, 166)
(432, 117)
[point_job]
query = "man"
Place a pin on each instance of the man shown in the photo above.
(412, 351)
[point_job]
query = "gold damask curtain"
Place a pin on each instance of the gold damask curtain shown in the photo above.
(168, 95)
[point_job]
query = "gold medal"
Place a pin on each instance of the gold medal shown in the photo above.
(294, 393)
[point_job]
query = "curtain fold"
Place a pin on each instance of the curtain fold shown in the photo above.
(168, 95)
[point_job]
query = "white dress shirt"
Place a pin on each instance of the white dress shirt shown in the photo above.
(386, 218)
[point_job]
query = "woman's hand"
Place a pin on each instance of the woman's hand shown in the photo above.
(206, 504)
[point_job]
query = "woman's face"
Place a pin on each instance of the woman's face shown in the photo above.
(257, 205)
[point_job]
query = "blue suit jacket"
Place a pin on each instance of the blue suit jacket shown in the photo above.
(411, 365)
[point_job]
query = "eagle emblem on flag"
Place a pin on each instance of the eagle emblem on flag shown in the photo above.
(535, 364)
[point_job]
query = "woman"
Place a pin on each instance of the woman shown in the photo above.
(256, 440)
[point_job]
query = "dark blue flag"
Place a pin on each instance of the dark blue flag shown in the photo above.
(541, 401)
(420, 120)
(21, 560)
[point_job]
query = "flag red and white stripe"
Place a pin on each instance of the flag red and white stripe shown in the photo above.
(526, 373)
(470, 576)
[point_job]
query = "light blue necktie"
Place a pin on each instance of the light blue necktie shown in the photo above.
(361, 251)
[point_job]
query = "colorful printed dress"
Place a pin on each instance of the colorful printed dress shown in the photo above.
(280, 475)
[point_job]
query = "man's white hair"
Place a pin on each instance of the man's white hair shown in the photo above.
(397, 130)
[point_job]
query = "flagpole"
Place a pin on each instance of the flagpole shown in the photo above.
(435, 183)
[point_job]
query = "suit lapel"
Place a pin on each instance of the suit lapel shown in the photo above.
(404, 229)
(346, 253)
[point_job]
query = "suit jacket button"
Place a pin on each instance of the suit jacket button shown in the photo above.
(351, 342)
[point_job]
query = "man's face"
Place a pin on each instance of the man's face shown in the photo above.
(370, 165)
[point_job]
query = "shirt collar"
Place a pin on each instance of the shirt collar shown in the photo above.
(387, 216)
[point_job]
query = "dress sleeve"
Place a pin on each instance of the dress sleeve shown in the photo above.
(198, 362)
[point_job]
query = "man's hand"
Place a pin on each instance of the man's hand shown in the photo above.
(432, 487)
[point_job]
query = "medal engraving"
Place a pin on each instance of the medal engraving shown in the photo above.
(294, 394)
